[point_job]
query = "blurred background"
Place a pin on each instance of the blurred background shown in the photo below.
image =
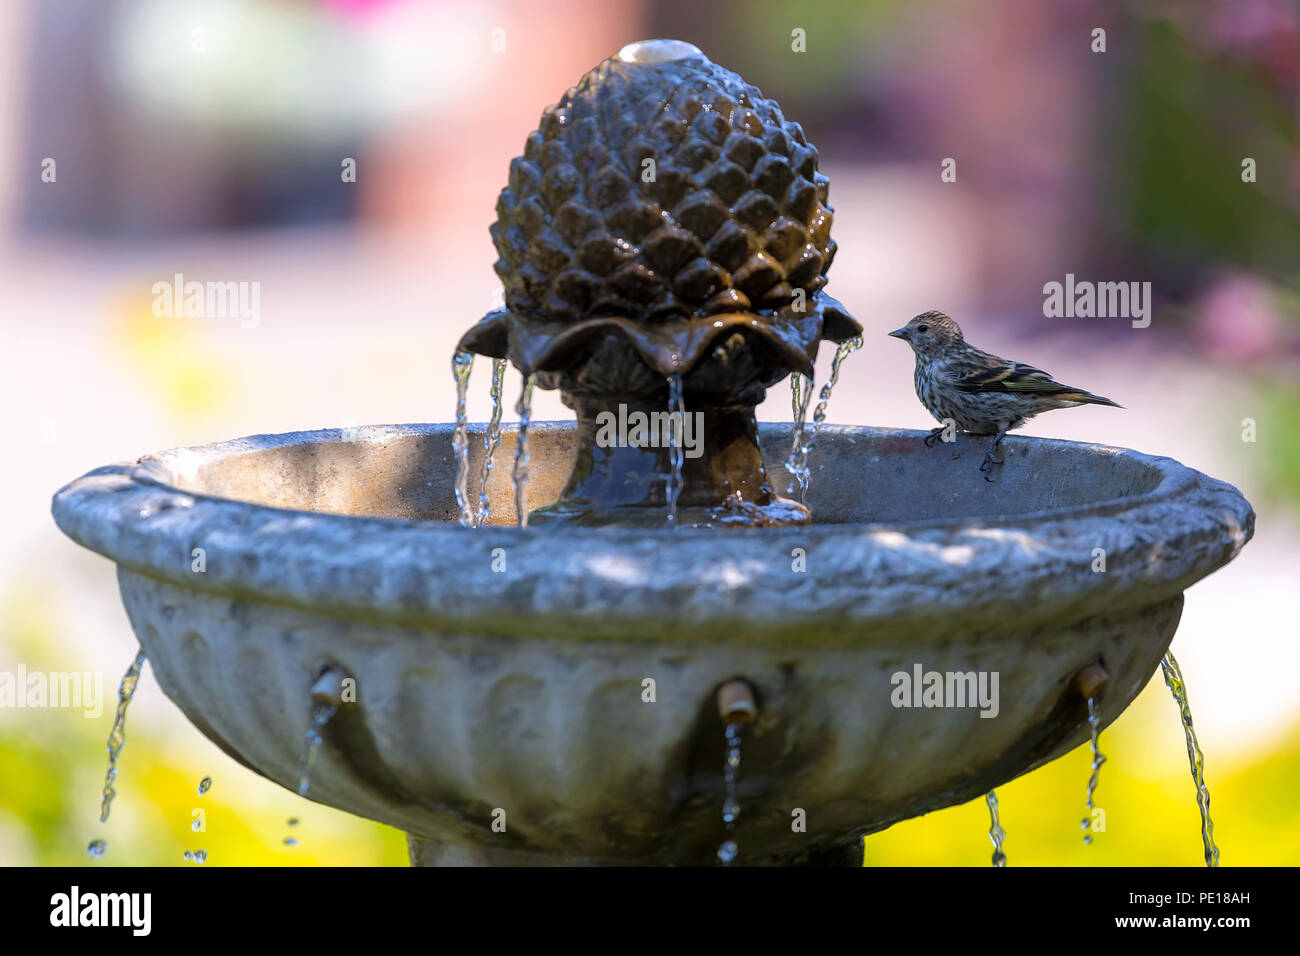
(207, 137)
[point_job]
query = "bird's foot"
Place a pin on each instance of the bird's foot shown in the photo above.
(992, 460)
(933, 437)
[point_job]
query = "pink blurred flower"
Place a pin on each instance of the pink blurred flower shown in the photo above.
(1250, 23)
(359, 8)
(1265, 32)
(1239, 318)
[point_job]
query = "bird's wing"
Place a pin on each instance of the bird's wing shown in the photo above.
(982, 372)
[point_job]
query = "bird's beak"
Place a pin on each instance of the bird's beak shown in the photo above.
(899, 333)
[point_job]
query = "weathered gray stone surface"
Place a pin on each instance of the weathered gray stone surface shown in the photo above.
(522, 689)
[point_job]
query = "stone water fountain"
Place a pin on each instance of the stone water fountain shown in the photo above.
(556, 693)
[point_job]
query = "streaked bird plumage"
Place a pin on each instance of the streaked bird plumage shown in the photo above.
(980, 393)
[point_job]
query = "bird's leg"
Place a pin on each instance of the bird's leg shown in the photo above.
(989, 459)
(931, 438)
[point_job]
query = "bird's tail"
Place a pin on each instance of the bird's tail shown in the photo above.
(1085, 398)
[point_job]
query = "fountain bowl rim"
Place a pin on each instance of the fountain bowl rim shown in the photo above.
(406, 570)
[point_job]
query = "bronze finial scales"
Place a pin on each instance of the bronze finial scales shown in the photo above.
(665, 227)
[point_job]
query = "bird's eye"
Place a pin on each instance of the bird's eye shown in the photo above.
(923, 328)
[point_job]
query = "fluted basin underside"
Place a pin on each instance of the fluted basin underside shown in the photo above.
(565, 676)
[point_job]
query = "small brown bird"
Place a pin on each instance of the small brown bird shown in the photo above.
(978, 392)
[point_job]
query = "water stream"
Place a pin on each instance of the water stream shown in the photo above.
(800, 396)
(320, 716)
(728, 851)
(1177, 687)
(523, 408)
(677, 419)
(804, 437)
(461, 364)
(824, 398)
(1098, 758)
(491, 440)
(117, 736)
(996, 834)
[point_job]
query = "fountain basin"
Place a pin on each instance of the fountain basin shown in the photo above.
(505, 669)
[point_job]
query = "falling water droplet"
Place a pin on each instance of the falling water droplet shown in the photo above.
(1098, 758)
(491, 440)
(996, 834)
(523, 408)
(677, 419)
(290, 841)
(293, 821)
(205, 785)
(730, 803)
(188, 856)
(200, 856)
(1178, 688)
(196, 825)
(320, 716)
(96, 848)
(730, 810)
(461, 364)
(117, 736)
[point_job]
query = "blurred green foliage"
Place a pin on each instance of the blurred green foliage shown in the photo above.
(1186, 122)
(52, 764)
(1148, 797)
(1281, 404)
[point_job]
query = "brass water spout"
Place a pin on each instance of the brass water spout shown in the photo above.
(1092, 680)
(736, 704)
(328, 688)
